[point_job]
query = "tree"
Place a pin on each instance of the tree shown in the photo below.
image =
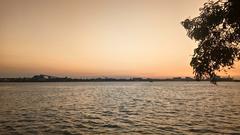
(217, 32)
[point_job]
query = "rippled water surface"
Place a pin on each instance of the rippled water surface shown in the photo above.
(120, 108)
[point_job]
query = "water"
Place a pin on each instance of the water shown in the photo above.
(120, 108)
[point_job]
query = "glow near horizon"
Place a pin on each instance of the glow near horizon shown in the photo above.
(96, 38)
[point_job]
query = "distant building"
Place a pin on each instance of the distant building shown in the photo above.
(43, 77)
(177, 78)
(137, 79)
(188, 79)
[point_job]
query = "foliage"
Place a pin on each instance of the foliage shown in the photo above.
(217, 32)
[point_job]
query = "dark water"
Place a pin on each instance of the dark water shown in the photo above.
(120, 108)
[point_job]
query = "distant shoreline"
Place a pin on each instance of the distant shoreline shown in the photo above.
(47, 78)
(105, 81)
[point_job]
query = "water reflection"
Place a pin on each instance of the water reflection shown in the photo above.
(119, 108)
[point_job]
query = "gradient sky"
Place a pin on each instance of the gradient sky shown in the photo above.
(96, 38)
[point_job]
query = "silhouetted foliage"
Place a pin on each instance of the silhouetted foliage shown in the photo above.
(217, 32)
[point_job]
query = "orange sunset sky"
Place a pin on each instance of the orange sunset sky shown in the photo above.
(113, 38)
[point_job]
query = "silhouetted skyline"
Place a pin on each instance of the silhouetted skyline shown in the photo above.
(49, 78)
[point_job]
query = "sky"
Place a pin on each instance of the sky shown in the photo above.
(115, 38)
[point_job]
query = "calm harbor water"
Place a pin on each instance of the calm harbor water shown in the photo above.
(120, 108)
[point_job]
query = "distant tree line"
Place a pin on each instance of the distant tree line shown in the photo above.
(47, 78)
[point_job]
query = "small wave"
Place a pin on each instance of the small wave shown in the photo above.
(111, 126)
(202, 130)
